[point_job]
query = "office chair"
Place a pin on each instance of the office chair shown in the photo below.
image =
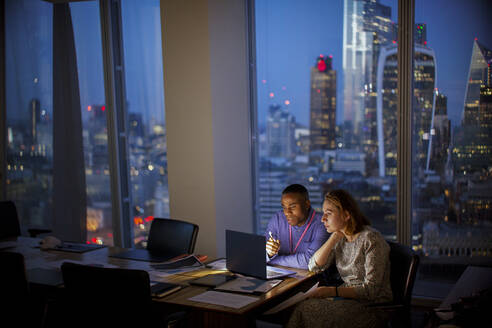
(9, 222)
(172, 236)
(109, 296)
(18, 306)
(404, 264)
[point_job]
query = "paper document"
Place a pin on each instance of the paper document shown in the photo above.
(291, 301)
(219, 264)
(184, 264)
(225, 299)
(249, 285)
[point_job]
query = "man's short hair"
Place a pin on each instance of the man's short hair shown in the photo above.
(296, 189)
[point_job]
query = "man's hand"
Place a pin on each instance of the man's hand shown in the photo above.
(272, 246)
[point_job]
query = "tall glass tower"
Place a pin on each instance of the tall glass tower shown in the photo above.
(366, 27)
(473, 141)
(423, 111)
(323, 105)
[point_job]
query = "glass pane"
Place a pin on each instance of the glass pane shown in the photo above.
(30, 115)
(145, 107)
(452, 137)
(29, 98)
(320, 121)
(88, 45)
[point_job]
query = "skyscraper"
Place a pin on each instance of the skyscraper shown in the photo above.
(423, 111)
(323, 105)
(440, 136)
(366, 27)
(370, 126)
(473, 143)
(423, 105)
(280, 132)
(35, 114)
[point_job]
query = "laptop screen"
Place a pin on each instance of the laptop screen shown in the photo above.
(246, 254)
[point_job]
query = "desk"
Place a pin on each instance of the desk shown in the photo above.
(202, 314)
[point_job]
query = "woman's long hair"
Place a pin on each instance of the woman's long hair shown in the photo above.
(345, 202)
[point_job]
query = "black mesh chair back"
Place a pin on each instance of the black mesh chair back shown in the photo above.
(106, 296)
(9, 221)
(404, 264)
(14, 289)
(172, 236)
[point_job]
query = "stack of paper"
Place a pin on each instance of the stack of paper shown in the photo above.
(292, 301)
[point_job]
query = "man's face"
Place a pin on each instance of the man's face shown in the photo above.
(295, 208)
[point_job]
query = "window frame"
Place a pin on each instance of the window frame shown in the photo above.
(406, 18)
(110, 12)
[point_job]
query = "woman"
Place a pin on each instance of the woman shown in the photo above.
(362, 258)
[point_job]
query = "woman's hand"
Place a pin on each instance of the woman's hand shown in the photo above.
(323, 292)
(336, 236)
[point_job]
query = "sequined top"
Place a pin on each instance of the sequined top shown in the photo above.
(363, 264)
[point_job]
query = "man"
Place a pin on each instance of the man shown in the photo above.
(295, 232)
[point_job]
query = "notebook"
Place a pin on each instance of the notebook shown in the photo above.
(161, 289)
(144, 255)
(212, 280)
(246, 254)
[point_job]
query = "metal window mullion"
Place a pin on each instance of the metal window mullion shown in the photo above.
(3, 107)
(114, 84)
(405, 96)
(253, 111)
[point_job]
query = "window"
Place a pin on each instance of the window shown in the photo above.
(29, 104)
(145, 108)
(297, 95)
(317, 75)
(87, 35)
(452, 141)
(69, 138)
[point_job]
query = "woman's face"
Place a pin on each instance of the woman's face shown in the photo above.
(333, 218)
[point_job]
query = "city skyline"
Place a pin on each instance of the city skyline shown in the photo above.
(318, 30)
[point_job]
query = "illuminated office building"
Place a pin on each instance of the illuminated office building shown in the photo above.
(366, 27)
(423, 111)
(370, 127)
(473, 142)
(35, 115)
(440, 136)
(423, 105)
(97, 146)
(280, 132)
(323, 105)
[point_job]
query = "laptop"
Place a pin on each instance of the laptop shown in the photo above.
(246, 254)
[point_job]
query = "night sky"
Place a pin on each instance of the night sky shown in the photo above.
(291, 34)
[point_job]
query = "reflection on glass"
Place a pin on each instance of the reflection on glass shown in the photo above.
(320, 119)
(452, 137)
(145, 108)
(87, 34)
(29, 100)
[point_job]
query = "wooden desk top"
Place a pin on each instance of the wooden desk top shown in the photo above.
(52, 259)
